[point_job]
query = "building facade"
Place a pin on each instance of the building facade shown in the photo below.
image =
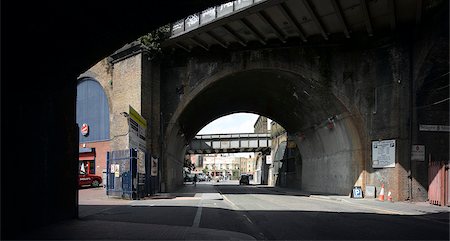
(93, 119)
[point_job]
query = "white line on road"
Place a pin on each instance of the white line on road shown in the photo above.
(248, 219)
(198, 216)
(235, 207)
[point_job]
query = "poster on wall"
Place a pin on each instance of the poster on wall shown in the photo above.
(154, 169)
(383, 153)
(418, 153)
(141, 162)
(137, 130)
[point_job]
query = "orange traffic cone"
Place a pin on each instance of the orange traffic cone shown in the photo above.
(381, 197)
(390, 196)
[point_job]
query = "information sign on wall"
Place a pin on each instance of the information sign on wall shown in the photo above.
(438, 128)
(268, 159)
(418, 153)
(383, 153)
(137, 130)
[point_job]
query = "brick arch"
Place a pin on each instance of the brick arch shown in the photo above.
(319, 102)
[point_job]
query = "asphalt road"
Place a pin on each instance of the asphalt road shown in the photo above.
(279, 216)
(269, 215)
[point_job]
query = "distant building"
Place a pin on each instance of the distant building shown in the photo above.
(261, 125)
(93, 119)
(286, 160)
(259, 166)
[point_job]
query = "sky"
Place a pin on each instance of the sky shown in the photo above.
(234, 123)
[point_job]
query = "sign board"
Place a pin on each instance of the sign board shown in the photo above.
(357, 192)
(238, 4)
(418, 153)
(268, 159)
(383, 153)
(192, 22)
(439, 128)
(116, 168)
(84, 129)
(207, 15)
(224, 9)
(140, 162)
(178, 27)
(370, 191)
(154, 168)
(137, 131)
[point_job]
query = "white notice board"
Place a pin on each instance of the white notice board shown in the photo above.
(383, 153)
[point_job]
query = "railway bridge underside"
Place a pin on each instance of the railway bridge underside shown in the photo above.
(334, 96)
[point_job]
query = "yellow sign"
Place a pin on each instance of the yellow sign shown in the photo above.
(137, 117)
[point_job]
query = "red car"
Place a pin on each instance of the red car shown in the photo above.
(85, 179)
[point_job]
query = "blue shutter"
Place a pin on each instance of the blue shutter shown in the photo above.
(92, 109)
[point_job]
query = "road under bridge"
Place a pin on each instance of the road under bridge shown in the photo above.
(376, 70)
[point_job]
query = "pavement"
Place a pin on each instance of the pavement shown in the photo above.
(80, 229)
(84, 229)
(389, 207)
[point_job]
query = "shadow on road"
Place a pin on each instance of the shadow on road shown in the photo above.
(274, 225)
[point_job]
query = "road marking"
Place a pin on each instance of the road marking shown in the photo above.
(198, 216)
(248, 219)
(235, 207)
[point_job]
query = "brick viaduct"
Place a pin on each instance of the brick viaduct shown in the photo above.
(368, 89)
(372, 89)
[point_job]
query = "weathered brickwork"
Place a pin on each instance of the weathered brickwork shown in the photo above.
(333, 101)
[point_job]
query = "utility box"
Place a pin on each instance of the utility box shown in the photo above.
(126, 174)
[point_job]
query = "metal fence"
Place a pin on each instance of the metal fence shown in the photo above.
(126, 175)
(438, 183)
(206, 16)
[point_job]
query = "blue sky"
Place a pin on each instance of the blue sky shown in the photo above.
(234, 123)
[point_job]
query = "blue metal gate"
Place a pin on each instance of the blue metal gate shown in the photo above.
(126, 174)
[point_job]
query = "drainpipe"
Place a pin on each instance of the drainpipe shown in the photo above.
(161, 146)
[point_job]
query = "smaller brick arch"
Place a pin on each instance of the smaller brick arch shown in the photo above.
(285, 96)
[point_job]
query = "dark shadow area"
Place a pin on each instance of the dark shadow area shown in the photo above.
(128, 222)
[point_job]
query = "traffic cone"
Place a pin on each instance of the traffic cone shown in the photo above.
(381, 197)
(390, 196)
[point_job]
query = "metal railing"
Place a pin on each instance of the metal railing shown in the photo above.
(209, 15)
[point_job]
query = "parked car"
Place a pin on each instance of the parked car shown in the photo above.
(244, 179)
(86, 179)
(201, 177)
(188, 177)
